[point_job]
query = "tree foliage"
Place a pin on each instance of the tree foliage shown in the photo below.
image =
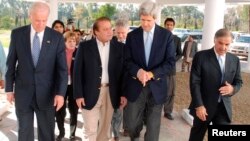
(107, 10)
(185, 16)
(14, 13)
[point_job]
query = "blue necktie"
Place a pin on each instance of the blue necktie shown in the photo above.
(147, 45)
(36, 49)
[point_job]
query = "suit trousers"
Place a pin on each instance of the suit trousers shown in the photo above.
(45, 122)
(186, 65)
(169, 104)
(199, 128)
(136, 115)
(97, 121)
(73, 111)
(116, 122)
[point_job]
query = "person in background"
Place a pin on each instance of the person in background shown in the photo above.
(121, 31)
(89, 36)
(98, 84)
(78, 35)
(2, 65)
(70, 43)
(149, 57)
(58, 26)
(70, 25)
(215, 78)
(189, 50)
(171, 78)
(36, 76)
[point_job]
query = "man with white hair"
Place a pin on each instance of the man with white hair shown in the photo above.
(36, 77)
(149, 57)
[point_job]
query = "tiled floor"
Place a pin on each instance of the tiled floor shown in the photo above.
(176, 130)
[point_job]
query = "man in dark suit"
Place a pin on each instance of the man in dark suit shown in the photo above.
(149, 57)
(121, 31)
(36, 77)
(169, 104)
(97, 84)
(189, 50)
(215, 77)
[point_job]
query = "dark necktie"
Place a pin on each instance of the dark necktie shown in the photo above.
(222, 72)
(36, 49)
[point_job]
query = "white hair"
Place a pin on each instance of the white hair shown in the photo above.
(149, 7)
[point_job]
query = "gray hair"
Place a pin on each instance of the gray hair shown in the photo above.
(122, 23)
(223, 32)
(39, 5)
(149, 8)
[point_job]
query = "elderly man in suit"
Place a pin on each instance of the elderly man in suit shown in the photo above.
(97, 84)
(215, 78)
(36, 77)
(149, 57)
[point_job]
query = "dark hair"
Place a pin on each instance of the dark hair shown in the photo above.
(57, 22)
(223, 32)
(169, 20)
(96, 24)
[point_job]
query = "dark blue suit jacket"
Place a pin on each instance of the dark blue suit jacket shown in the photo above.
(161, 62)
(205, 81)
(47, 79)
(88, 71)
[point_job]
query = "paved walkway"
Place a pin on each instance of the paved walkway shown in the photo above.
(176, 130)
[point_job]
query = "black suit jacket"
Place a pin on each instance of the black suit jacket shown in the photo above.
(47, 79)
(161, 62)
(205, 81)
(88, 72)
(178, 51)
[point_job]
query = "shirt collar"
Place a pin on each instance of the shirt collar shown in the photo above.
(100, 44)
(217, 55)
(39, 34)
(151, 31)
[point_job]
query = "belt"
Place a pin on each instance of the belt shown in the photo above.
(104, 85)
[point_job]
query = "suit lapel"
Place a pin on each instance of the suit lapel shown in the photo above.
(141, 46)
(213, 60)
(111, 55)
(46, 42)
(95, 51)
(27, 43)
(154, 45)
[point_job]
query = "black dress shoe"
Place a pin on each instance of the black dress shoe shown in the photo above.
(59, 138)
(125, 133)
(168, 116)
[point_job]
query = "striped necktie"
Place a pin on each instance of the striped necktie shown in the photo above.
(36, 49)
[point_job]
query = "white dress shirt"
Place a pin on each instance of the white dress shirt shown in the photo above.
(32, 34)
(104, 54)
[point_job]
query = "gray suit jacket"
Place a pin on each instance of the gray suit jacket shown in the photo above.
(193, 50)
(45, 80)
(205, 81)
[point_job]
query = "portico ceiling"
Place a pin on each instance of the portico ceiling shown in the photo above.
(167, 2)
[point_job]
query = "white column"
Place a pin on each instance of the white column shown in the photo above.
(53, 11)
(158, 20)
(213, 20)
